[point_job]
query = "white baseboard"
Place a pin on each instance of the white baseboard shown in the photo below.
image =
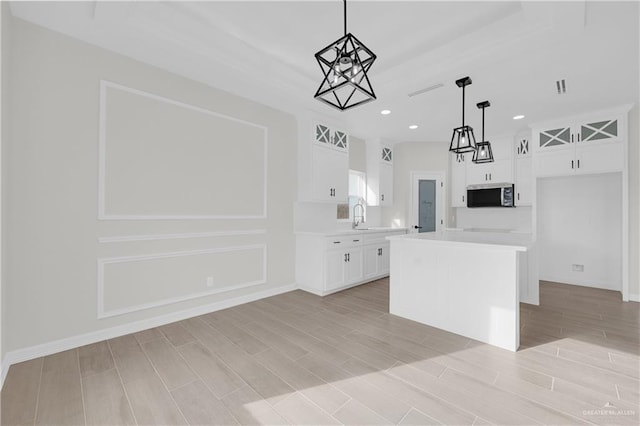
(581, 283)
(4, 369)
(633, 297)
(32, 352)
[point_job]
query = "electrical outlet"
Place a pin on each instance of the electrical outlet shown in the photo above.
(576, 267)
(209, 281)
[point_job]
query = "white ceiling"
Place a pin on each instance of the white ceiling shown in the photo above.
(514, 52)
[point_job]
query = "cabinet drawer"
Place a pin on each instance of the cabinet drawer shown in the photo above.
(343, 241)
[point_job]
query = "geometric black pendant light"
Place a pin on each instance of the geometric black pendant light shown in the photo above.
(463, 140)
(483, 153)
(345, 63)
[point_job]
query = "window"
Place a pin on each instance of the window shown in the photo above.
(357, 192)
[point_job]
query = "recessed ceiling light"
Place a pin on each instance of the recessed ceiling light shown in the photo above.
(385, 112)
(518, 117)
(413, 126)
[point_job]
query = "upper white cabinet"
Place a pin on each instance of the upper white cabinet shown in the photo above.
(323, 162)
(459, 179)
(330, 177)
(386, 176)
(583, 145)
(523, 169)
(498, 171)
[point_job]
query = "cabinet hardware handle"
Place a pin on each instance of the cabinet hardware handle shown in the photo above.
(463, 198)
(355, 241)
(578, 163)
(336, 242)
(572, 164)
(518, 196)
(348, 257)
(382, 197)
(489, 176)
(345, 257)
(572, 138)
(579, 136)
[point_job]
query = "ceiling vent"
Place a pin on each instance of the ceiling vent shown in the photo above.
(561, 87)
(425, 90)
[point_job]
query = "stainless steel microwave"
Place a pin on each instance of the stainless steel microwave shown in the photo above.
(491, 195)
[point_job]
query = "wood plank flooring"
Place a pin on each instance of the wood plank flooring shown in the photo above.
(343, 359)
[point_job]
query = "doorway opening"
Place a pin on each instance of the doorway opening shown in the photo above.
(427, 202)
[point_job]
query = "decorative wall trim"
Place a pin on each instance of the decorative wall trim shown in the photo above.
(105, 261)
(155, 237)
(102, 140)
(25, 354)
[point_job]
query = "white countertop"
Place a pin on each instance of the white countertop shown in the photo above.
(360, 231)
(512, 241)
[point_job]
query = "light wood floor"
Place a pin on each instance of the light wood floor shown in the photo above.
(301, 359)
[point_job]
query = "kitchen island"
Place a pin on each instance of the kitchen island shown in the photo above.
(467, 283)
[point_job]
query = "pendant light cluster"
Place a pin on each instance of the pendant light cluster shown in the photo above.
(345, 63)
(463, 139)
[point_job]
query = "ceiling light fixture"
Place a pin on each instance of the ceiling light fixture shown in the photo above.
(463, 140)
(345, 63)
(413, 126)
(385, 112)
(518, 117)
(483, 152)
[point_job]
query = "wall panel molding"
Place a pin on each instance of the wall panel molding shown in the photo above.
(186, 235)
(102, 262)
(102, 154)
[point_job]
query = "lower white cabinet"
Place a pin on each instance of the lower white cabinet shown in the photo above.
(376, 259)
(329, 263)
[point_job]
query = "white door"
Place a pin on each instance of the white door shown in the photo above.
(427, 201)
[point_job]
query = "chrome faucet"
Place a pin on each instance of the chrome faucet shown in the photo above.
(357, 219)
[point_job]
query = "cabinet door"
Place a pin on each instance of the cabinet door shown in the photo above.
(386, 184)
(524, 181)
(340, 140)
(500, 171)
(554, 139)
(384, 259)
(598, 131)
(353, 268)
(477, 173)
(599, 158)
(458, 181)
(558, 163)
(335, 262)
(370, 255)
(322, 134)
(330, 178)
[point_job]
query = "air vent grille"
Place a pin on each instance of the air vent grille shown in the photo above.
(425, 90)
(561, 87)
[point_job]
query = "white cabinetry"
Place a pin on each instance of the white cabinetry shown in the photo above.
(325, 264)
(580, 146)
(524, 170)
(323, 162)
(499, 171)
(376, 255)
(330, 178)
(459, 179)
(386, 176)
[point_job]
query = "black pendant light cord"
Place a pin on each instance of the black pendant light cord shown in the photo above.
(463, 105)
(345, 16)
(483, 124)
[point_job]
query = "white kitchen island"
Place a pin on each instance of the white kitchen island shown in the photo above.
(467, 283)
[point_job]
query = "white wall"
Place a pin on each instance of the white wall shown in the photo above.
(518, 219)
(412, 157)
(64, 262)
(579, 222)
(4, 29)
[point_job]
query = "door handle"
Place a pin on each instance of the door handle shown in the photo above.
(417, 227)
